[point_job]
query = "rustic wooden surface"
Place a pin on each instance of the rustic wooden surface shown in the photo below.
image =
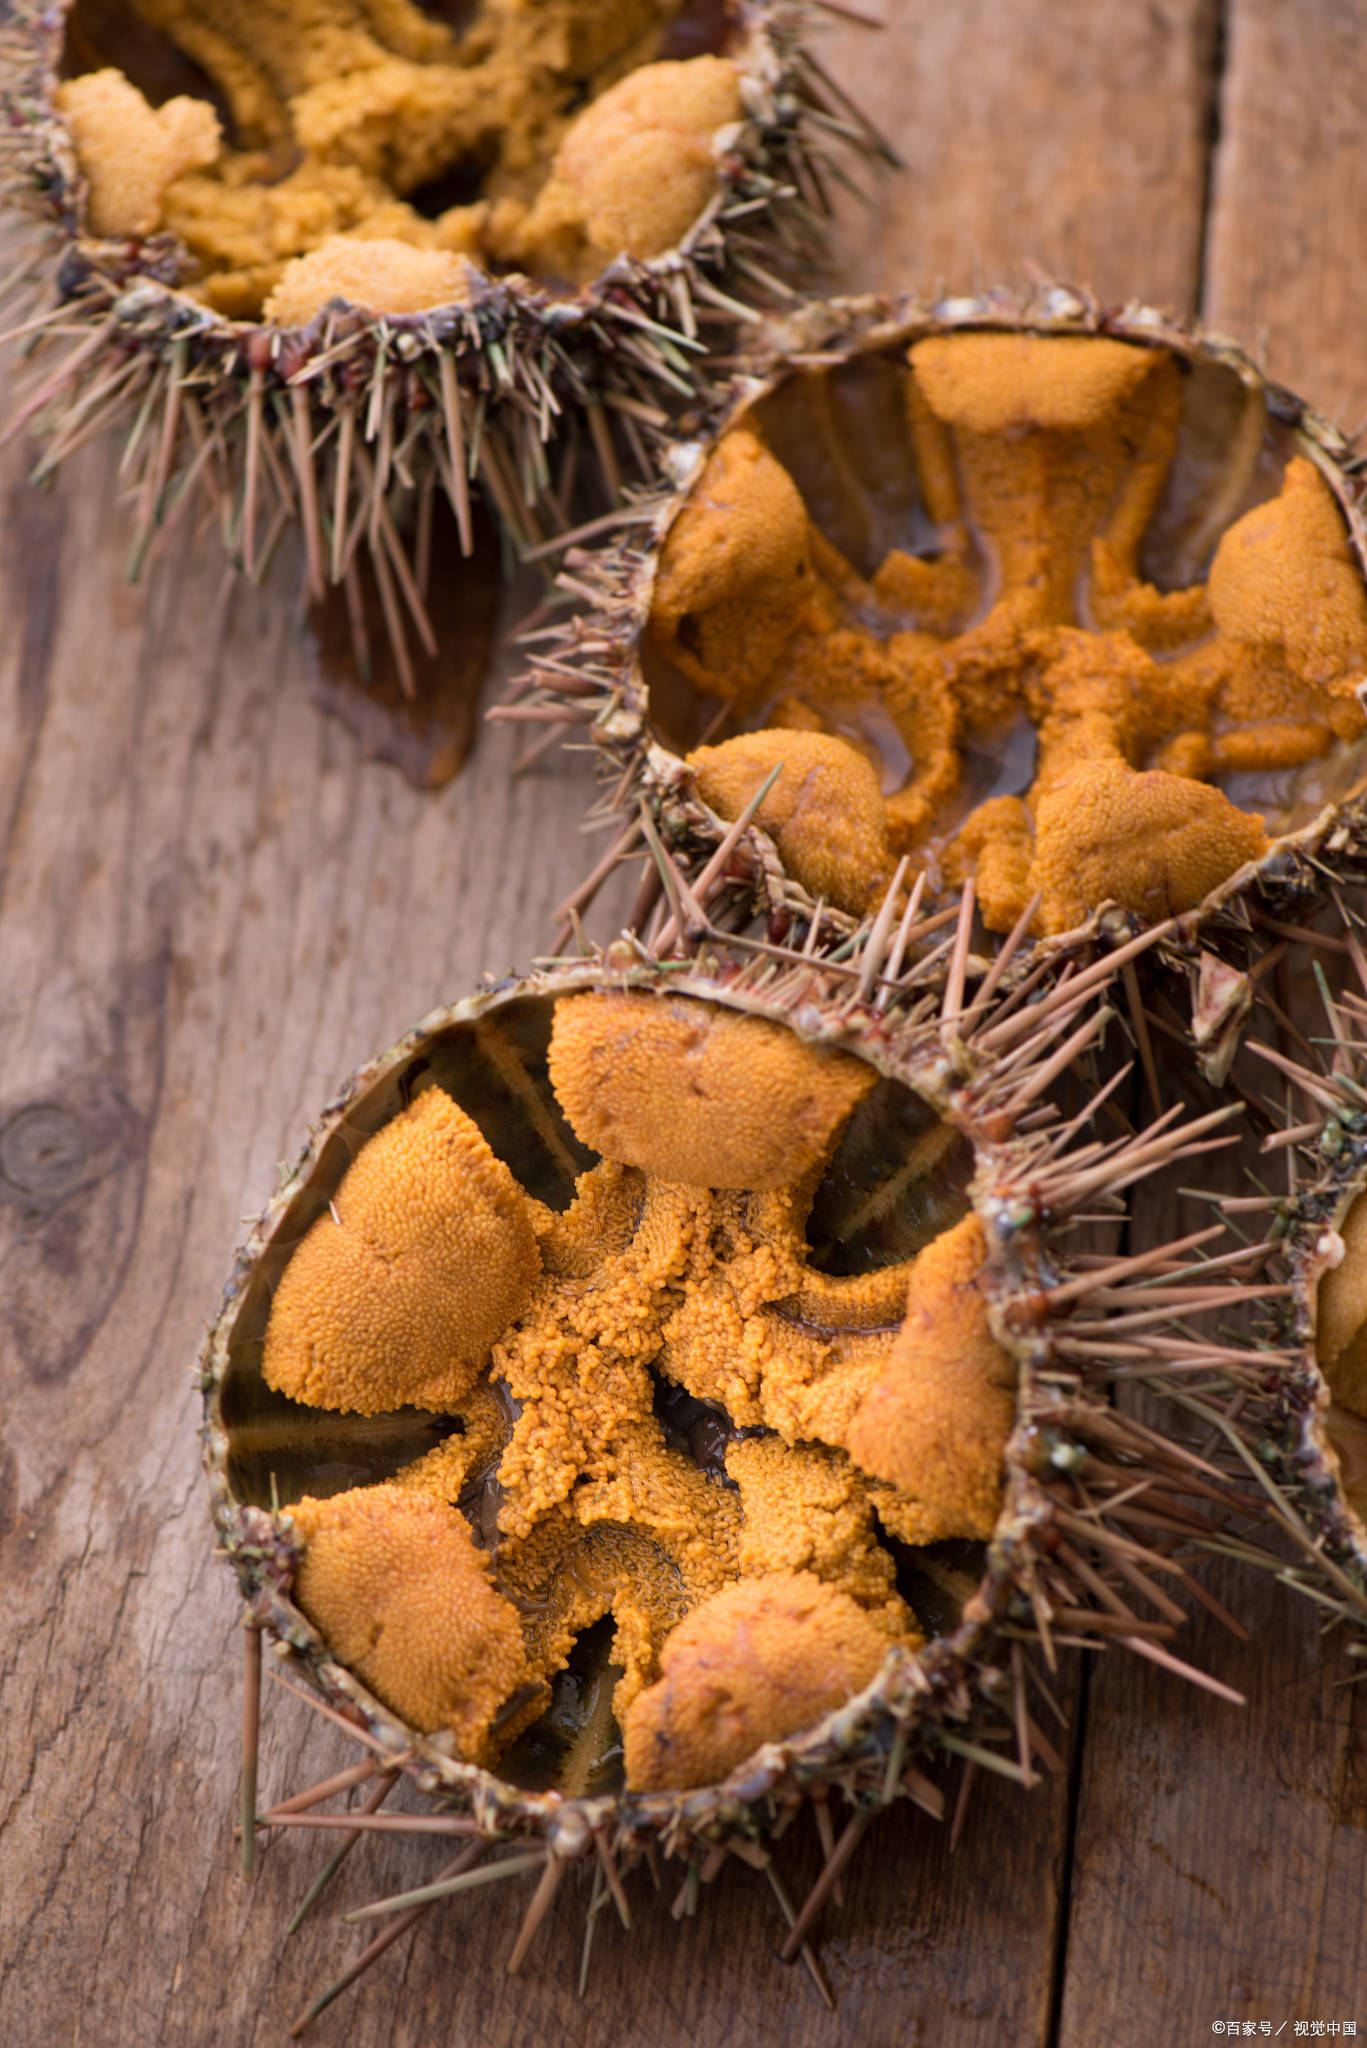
(210, 909)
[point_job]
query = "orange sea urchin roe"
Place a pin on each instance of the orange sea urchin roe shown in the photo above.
(1157, 843)
(599, 1223)
(656, 1536)
(758, 1661)
(1285, 576)
(1341, 1352)
(130, 152)
(447, 1469)
(806, 1508)
(696, 1094)
(566, 1577)
(1041, 462)
(1053, 442)
(343, 113)
(394, 1581)
(1286, 593)
(825, 811)
(1118, 808)
(633, 173)
(576, 1363)
(654, 1273)
(935, 1419)
(735, 572)
(1341, 1315)
(378, 272)
(397, 1293)
(719, 1340)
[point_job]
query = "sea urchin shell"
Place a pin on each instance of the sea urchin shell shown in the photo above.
(785, 1340)
(329, 262)
(1064, 602)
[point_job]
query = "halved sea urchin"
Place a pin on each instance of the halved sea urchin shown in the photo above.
(658, 1382)
(1065, 603)
(332, 263)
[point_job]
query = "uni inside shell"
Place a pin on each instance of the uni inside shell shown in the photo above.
(793, 1405)
(1065, 604)
(344, 266)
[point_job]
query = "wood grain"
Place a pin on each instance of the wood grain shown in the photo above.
(1070, 138)
(211, 907)
(1288, 188)
(1221, 1856)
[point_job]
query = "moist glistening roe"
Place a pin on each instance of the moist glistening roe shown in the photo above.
(746, 1603)
(1040, 462)
(342, 111)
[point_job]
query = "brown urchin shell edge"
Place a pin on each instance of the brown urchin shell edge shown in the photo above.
(322, 424)
(1098, 1507)
(1321, 1133)
(584, 675)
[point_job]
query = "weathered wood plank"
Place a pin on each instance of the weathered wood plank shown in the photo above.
(1071, 138)
(1221, 1859)
(1289, 187)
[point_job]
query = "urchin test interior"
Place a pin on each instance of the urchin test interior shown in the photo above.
(1066, 599)
(405, 138)
(654, 1499)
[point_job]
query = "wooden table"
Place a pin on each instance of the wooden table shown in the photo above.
(211, 908)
